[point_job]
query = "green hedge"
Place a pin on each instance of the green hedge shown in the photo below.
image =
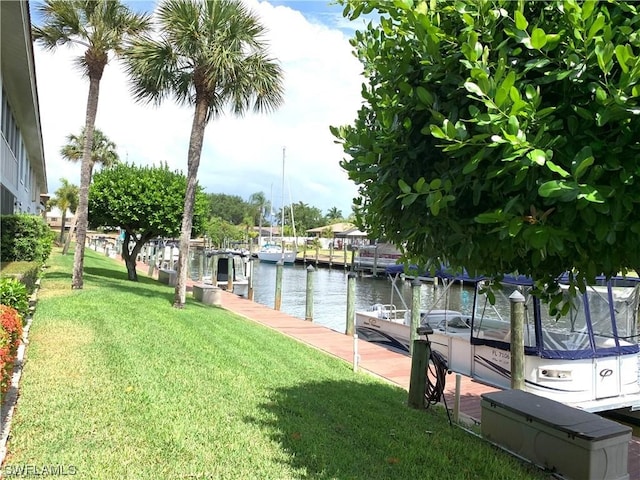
(13, 293)
(24, 238)
(26, 272)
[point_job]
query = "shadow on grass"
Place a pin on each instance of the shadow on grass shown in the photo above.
(118, 280)
(342, 429)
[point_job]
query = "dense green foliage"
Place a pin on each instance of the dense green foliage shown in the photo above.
(13, 293)
(145, 202)
(230, 208)
(26, 272)
(501, 136)
(24, 238)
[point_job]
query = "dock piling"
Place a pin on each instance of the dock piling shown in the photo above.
(309, 297)
(517, 340)
(351, 303)
(278, 298)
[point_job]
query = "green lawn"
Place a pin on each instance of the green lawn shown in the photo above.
(120, 385)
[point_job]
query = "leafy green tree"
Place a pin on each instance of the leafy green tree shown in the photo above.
(231, 208)
(501, 136)
(210, 55)
(103, 150)
(66, 198)
(145, 202)
(304, 216)
(101, 27)
(222, 233)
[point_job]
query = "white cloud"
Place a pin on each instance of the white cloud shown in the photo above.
(240, 156)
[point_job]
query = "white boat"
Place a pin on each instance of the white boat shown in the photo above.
(239, 270)
(272, 253)
(588, 359)
(275, 252)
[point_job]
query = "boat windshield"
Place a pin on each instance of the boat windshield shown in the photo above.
(492, 321)
(600, 322)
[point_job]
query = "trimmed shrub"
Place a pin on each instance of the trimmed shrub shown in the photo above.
(10, 333)
(13, 293)
(27, 272)
(24, 238)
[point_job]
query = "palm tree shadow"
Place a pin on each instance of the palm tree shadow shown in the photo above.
(341, 429)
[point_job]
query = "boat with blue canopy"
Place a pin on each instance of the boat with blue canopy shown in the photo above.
(588, 358)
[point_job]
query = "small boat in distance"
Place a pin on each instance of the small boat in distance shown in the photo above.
(272, 253)
(275, 252)
(588, 359)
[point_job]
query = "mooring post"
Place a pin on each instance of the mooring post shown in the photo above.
(309, 298)
(351, 303)
(356, 355)
(278, 300)
(330, 254)
(344, 246)
(418, 379)
(517, 340)
(214, 270)
(161, 256)
(201, 266)
(375, 261)
(230, 273)
(456, 399)
(317, 254)
(250, 279)
(415, 312)
(152, 263)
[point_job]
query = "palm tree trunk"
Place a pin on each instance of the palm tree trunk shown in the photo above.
(82, 213)
(72, 229)
(64, 220)
(195, 150)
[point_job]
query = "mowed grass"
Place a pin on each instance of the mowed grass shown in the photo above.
(120, 385)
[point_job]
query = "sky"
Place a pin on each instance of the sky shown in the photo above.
(240, 156)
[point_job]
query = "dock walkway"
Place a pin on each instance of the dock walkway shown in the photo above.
(378, 361)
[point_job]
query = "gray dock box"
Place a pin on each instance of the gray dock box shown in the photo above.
(168, 276)
(574, 443)
(207, 294)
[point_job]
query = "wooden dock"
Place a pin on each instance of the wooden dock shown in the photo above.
(381, 362)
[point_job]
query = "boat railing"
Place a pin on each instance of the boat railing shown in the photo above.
(388, 311)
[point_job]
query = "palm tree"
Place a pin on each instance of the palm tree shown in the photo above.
(103, 150)
(100, 27)
(210, 55)
(334, 214)
(66, 198)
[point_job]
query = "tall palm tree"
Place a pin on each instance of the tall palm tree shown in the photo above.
(66, 198)
(100, 27)
(103, 150)
(210, 55)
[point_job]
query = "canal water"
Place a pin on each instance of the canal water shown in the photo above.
(330, 293)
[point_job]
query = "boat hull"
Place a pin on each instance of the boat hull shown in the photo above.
(275, 257)
(579, 383)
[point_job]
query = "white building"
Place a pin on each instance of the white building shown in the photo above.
(23, 176)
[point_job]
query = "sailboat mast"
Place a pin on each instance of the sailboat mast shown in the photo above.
(282, 212)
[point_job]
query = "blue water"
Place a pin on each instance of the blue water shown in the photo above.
(330, 293)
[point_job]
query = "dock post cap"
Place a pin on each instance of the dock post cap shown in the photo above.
(516, 297)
